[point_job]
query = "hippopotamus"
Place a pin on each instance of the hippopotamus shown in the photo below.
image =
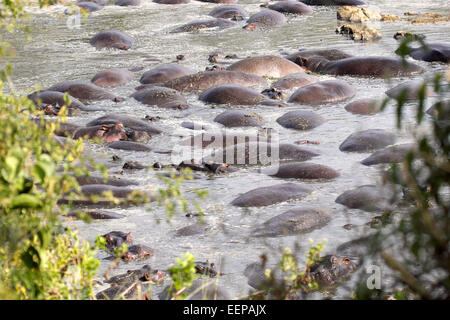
(333, 2)
(266, 66)
(172, 1)
(203, 24)
(132, 290)
(112, 39)
(162, 97)
(367, 140)
(199, 290)
(83, 90)
(98, 189)
(193, 125)
(331, 269)
(294, 221)
(108, 133)
(368, 198)
(392, 154)
(137, 252)
(440, 110)
(112, 77)
(266, 196)
(363, 106)
(298, 79)
(229, 12)
(260, 153)
(219, 1)
(291, 6)
(191, 230)
(235, 95)
(436, 51)
(206, 269)
(97, 215)
(205, 80)
(137, 125)
(372, 66)
(266, 18)
(56, 98)
(218, 139)
(329, 54)
(89, 6)
(129, 145)
(99, 2)
(165, 73)
(300, 120)
(409, 90)
(92, 179)
(125, 3)
(115, 239)
(305, 170)
(239, 118)
(142, 274)
(323, 92)
(134, 165)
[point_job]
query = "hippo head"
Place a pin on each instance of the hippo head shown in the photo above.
(214, 68)
(332, 269)
(237, 17)
(313, 63)
(274, 93)
(51, 110)
(111, 133)
(176, 105)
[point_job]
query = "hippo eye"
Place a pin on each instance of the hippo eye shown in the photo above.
(346, 260)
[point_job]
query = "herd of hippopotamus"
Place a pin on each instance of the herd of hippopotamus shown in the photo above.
(239, 83)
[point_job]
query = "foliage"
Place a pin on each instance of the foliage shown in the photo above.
(183, 273)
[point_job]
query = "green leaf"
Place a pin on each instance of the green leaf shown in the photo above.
(26, 200)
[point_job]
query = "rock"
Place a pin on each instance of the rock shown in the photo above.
(355, 14)
(359, 33)
(389, 17)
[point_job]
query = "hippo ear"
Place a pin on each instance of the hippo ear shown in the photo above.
(346, 260)
(105, 128)
(334, 260)
(118, 126)
(129, 237)
(302, 62)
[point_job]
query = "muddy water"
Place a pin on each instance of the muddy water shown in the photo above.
(57, 53)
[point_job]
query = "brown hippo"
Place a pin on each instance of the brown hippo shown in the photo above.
(266, 66)
(165, 73)
(436, 51)
(323, 92)
(99, 2)
(92, 179)
(132, 290)
(360, 66)
(97, 215)
(266, 196)
(83, 90)
(136, 125)
(129, 145)
(239, 118)
(392, 154)
(172, 1)
(229, 12)
(368, 198)
(205, 80)
(89, 6)
(98, 189)
(305, 170)
(265, 19)
(410, 90)
(333, 2)
(203, 24)
(112, 39)
(126, 3)
(300, 120)
(115, 239)
(234, 95)
(293, 80)
(138, 252)
(294, 221)
(367, 140)
(112, 77)
(56, 99)
(108, 133)
(162, 97)
(199, 290)
(191, 230)
(363, 106)
(329, 54)
(331, 269)
(291, 6)
(218, 139)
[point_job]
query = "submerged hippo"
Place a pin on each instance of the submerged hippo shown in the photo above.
(265, 19)
(331, 269)
(98, 189)
(56, 98)
(112, 77)
(138, 252)
(219, 1)
(392, 154)
(125, 3)
(112, 39)
(291, 6)
(360, 66)
(89, 6)
(108, 133)
(233, 94)
(164, 73)
(129, 145)
(199, 290)
(191, 230)
(300, 120)
(305, 170)
(229, 12)
(323, 92)
(115, 239)
(293, 80)
(440, 110)
(367, 140)
(437, 51)
(172, 1)
(97, 215)
(161, 97)
(297, 220)
(333, 2)
(83, 90)
(142, 274)
(363, 106)
(136, 125)
(239, 118)
(92, 179)
(132, 290)
(409, 90)
(99, 2)
(266, 196)
(368, 198)
(203, 24)
(266, 66)
(329, 54)
(206, 80)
